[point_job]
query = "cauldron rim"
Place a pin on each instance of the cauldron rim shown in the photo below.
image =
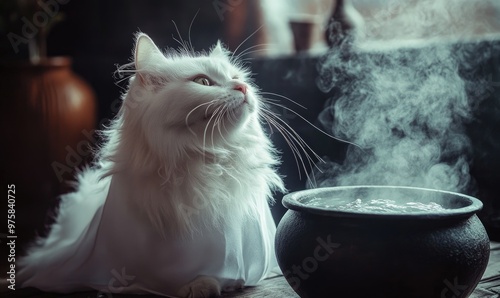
(471, 204)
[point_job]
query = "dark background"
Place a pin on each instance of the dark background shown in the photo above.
(99, 36)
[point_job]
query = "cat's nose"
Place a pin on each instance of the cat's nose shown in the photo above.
(241, 87)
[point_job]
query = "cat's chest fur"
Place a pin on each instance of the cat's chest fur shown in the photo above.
(199, 192)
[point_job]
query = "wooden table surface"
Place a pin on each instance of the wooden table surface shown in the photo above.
(277, 287)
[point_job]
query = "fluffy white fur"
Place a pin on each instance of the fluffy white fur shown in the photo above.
(179, 195)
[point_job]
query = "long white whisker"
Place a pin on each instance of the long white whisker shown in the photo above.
(206, 128)
(234, 52)
(247, 50)
(284, 97)
(224, 112)
(181, 41)
(192, 110)
(216, 114)
(251, 52)
(314, 126)
(271, 131)
(223, 122)
(189, 30)
(208, 107)
(231, 116)
(225, 115)
(295, 151)
(293, 147)
(299, 141)
(123, 79)
(126, 70)
(313, 180)
(216, 122)
(244, 60)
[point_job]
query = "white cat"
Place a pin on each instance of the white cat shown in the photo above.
(177, 203)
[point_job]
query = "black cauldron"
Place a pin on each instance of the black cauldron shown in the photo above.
(331, 253)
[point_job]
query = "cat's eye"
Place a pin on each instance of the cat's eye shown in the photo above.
(202, 81)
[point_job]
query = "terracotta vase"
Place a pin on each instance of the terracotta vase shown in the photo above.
(48, 114)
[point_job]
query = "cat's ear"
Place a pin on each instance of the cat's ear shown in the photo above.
(218, 50)
(146, 56)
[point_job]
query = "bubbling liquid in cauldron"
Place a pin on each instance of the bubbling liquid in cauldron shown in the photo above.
(374, 205)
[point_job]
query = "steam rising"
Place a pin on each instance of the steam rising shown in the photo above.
(406, 106)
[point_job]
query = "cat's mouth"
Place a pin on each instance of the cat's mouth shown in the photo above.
(225, 110)
(231, 112)
(240, 104)
(236, 109)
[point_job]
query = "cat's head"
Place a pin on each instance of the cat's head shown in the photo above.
(192, 99)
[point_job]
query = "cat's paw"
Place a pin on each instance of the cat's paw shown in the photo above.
(200, 287)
